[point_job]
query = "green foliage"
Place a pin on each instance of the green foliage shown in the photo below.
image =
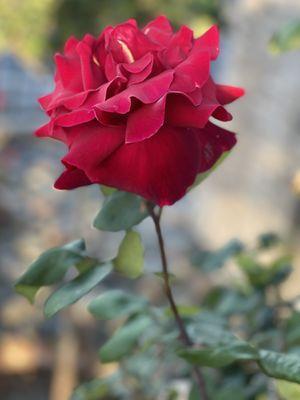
(115, 304)
(50, 268)
(130, 258)
(75, 289)
(220, 355)
(121, 211)
(238, 328)
(124, 339)
(25, 26)
(280, 366)
(286, 38)
(39, 28)
(212, 260)
(74, 17)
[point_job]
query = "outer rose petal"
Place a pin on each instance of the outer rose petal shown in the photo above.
(209, 41)
(228, 94)
(145, 121)
(93, 145)
(69, 72)
(180, 112)
(214, 141)
(160, 168)
(72, 178)
(191, 73)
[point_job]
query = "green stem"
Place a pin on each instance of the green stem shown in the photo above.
(168, 291)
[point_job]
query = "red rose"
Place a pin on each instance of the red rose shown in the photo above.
(133, 107)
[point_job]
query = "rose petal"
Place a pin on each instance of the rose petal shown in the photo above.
(160, 169)
(126, 43)
(215, 141)
(145, 121)
(91, 73)
(159, 31)
(209, 42)
(147, 92)
(191, 73)
(222, 114)
(180, 112)
(93, 145)
(71, 178)
(76, 117)
(179, 47)
(227, 94)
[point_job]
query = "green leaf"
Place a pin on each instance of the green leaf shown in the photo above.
(130, 258)
(287, 38)
(288, 390)
(268, 240)
(116, 303)
(260, 275)
(292, 329)
(107, 190)
(280, 366)
(121, 211)
(108, 387)
(210, 261)
(75, 289)
(221, 355)
(50, 268)
(124, 339)
(94, 390)
(217, 346)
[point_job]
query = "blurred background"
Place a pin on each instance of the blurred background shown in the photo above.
(256, 190)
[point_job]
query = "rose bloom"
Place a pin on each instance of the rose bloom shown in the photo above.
(134, 108)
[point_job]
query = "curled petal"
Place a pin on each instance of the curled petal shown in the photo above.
(71, 178)
(222, 114)
(208, 42)
(147, 92)
(159, 31)
(145, 121)
(180, 112)
(191, 73)
(178, 48)
(92, 75)
(75, 118)
(139, 70)
(228, 94)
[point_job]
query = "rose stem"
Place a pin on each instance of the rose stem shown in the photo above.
(180, 324)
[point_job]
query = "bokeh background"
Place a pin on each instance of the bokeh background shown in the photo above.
(256, 190)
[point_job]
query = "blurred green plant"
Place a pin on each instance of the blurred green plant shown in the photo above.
(24, 27)
(33, 29)
(73, 17)
(287, 38)
(246, 338)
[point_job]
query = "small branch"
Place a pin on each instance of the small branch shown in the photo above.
(168, 291)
